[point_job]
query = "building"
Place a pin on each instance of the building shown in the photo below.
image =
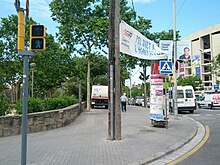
(205, 45)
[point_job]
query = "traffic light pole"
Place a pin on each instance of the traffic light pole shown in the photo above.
(25, 54)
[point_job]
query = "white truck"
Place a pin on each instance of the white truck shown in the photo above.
(209, 101)
(99, 96)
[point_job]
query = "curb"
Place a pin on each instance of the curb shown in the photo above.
(161, 155)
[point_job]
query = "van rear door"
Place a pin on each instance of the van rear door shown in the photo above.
(189, 99)
(180, 98)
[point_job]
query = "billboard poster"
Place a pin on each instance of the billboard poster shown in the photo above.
(133, 43)
(196, 64)
(167, 47)
(184, 50)
(182, 71)
(156, 97)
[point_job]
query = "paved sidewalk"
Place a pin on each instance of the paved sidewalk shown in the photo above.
(84, 141)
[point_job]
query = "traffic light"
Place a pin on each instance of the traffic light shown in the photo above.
(37, 37)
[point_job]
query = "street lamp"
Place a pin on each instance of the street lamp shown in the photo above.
(32, 65)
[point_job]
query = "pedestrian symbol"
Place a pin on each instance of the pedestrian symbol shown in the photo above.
(38, 44)
(165, 67)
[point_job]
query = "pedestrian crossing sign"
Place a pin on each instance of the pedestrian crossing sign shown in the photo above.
(166, 67)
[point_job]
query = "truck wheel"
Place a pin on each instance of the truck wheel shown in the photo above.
(92, 106)
(210, 106)
(191, 111)
(106, 106)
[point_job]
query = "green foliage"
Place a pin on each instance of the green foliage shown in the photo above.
(39, 105)
(215, 65)
(11, 64)
(165, 35)
(55, 60)
(194, 81)
(138, 92)
(4, 102)
(101, 79)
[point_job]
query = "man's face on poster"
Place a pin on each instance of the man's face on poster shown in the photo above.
(186, 52)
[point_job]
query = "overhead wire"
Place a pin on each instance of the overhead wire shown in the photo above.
(177, 13)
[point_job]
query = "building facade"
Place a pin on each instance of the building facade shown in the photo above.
(205, 45)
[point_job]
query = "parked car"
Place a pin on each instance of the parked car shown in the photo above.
(148, 103)
(131, 101)
(139, 100)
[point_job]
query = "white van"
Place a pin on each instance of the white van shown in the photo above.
(209, 101)
(186, 100)
(99, 96)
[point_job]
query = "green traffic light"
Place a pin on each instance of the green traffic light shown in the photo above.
(37, 43)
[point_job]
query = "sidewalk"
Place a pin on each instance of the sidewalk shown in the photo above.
(84, 141)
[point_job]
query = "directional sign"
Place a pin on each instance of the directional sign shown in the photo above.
(166, 67)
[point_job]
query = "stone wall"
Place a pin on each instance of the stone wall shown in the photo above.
(41, 121)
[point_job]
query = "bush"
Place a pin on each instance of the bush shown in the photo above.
(4, 101)
(39, 105)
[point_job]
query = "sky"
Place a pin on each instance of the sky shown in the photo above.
(191, 15)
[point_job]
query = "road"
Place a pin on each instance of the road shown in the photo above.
(208, 154)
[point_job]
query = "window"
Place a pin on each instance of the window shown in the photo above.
(180, 94)
(189, 93)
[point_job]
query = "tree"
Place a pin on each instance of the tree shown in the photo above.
(194, 81)
(84, 26)
(165, 35)
(11, 64)
(215, 65)
(53, 67)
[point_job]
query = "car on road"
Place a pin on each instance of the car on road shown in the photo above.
(139, 100)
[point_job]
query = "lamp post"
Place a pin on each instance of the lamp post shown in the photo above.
(32, 65)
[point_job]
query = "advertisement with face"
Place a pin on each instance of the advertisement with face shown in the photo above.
(183, 50)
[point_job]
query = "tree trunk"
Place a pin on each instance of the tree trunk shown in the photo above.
(88, 81)
(18, 92)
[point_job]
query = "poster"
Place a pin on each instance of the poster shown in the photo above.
(183, 50)
(182, 70)
(196, 65)
(156, 97)
(167, 47)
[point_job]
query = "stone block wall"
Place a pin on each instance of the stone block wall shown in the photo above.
(41, 121)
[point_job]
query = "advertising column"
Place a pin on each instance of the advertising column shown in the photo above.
(156, 97)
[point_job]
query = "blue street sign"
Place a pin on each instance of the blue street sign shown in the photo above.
(216, 87)
(166, 67)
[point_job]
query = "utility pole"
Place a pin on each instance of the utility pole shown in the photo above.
(117, 73)
(175, 61)
(111, 66)
(145, 90)
(114, 123)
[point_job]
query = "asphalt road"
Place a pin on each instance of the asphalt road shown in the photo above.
(209, 153)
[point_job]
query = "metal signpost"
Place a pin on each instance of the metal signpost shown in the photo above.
(166, 68)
